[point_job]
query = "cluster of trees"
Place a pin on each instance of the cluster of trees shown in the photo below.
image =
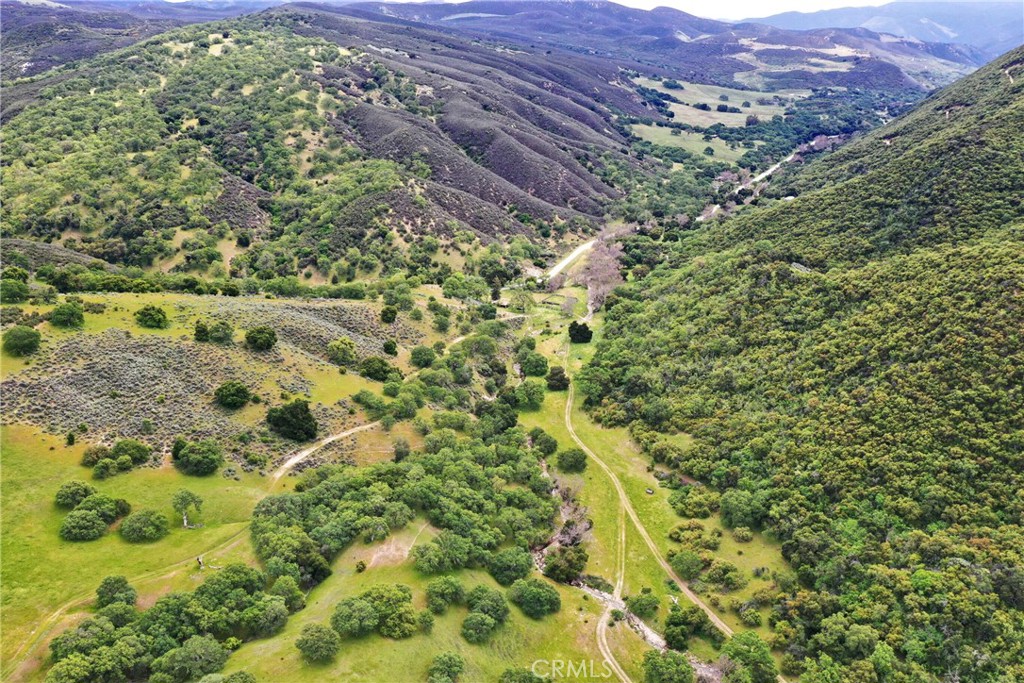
(217, 332)
(91, 513)
(385, 609)
(293, 421)
(297, 534)
(197, 458)
(182, 637)
(123, 456)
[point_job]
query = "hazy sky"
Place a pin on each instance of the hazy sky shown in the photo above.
(743, 9)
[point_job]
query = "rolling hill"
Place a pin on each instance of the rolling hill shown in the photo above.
(692, 48)
(306, 132)
(315, 141)
(41, 35)
(848, 360)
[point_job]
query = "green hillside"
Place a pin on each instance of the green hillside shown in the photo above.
(850, 364)
(257, 147)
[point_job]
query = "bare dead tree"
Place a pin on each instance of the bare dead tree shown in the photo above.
(556, 283)
(601, 274)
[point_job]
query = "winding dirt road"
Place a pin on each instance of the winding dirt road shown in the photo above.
(620, 580)
(628, 507)
(306, 452)
(572, 256)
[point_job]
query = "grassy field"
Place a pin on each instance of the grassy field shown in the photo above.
(690, 141)
(700, 93)
(566, 635)
(41, 572)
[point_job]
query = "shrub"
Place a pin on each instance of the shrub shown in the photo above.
(478, 627)
(533, 364)
(751, 617)
(232, 394)
(105, 468)
(71, 493)
(342, 351)
(565, 563)
(506, 566)
(442, 592)
(726, 575)
(222, 333)
(534, 597)
(529, 395)
(667, 667)
(199, 458)
(287, 587)
(425, 620)
(520, 676)
(293, 421)
(93, 454)
(580, 333)
(144, 526)
(152, 317)
(13, 291)
(446, 667)
(543, 442)
(687, 564)
(488, 601)
(376, 368)
(741, 508)
(318, 643)
(136, 451)
(572, 460)
(198, 656)
(68, 314)
(21, 340)
(754, 654)
(557, 379)
(261, 338)
(354, 617)
(108, 508)
(643, 605)
(115, 589)
(423, 356)
(82, 525)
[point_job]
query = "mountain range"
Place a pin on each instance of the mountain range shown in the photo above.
(990, 27)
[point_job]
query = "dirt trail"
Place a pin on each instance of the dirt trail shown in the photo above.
(628, 506)
(573, 255)
(749, 183)
(306, 452)
(45, 627)
(620, 580)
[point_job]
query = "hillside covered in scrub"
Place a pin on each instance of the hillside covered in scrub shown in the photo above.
(299, 136)
(850, 363)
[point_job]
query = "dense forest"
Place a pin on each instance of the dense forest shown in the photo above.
(850, 363)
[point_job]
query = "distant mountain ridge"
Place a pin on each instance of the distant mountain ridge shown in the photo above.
(991, 27)
(702, 49)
